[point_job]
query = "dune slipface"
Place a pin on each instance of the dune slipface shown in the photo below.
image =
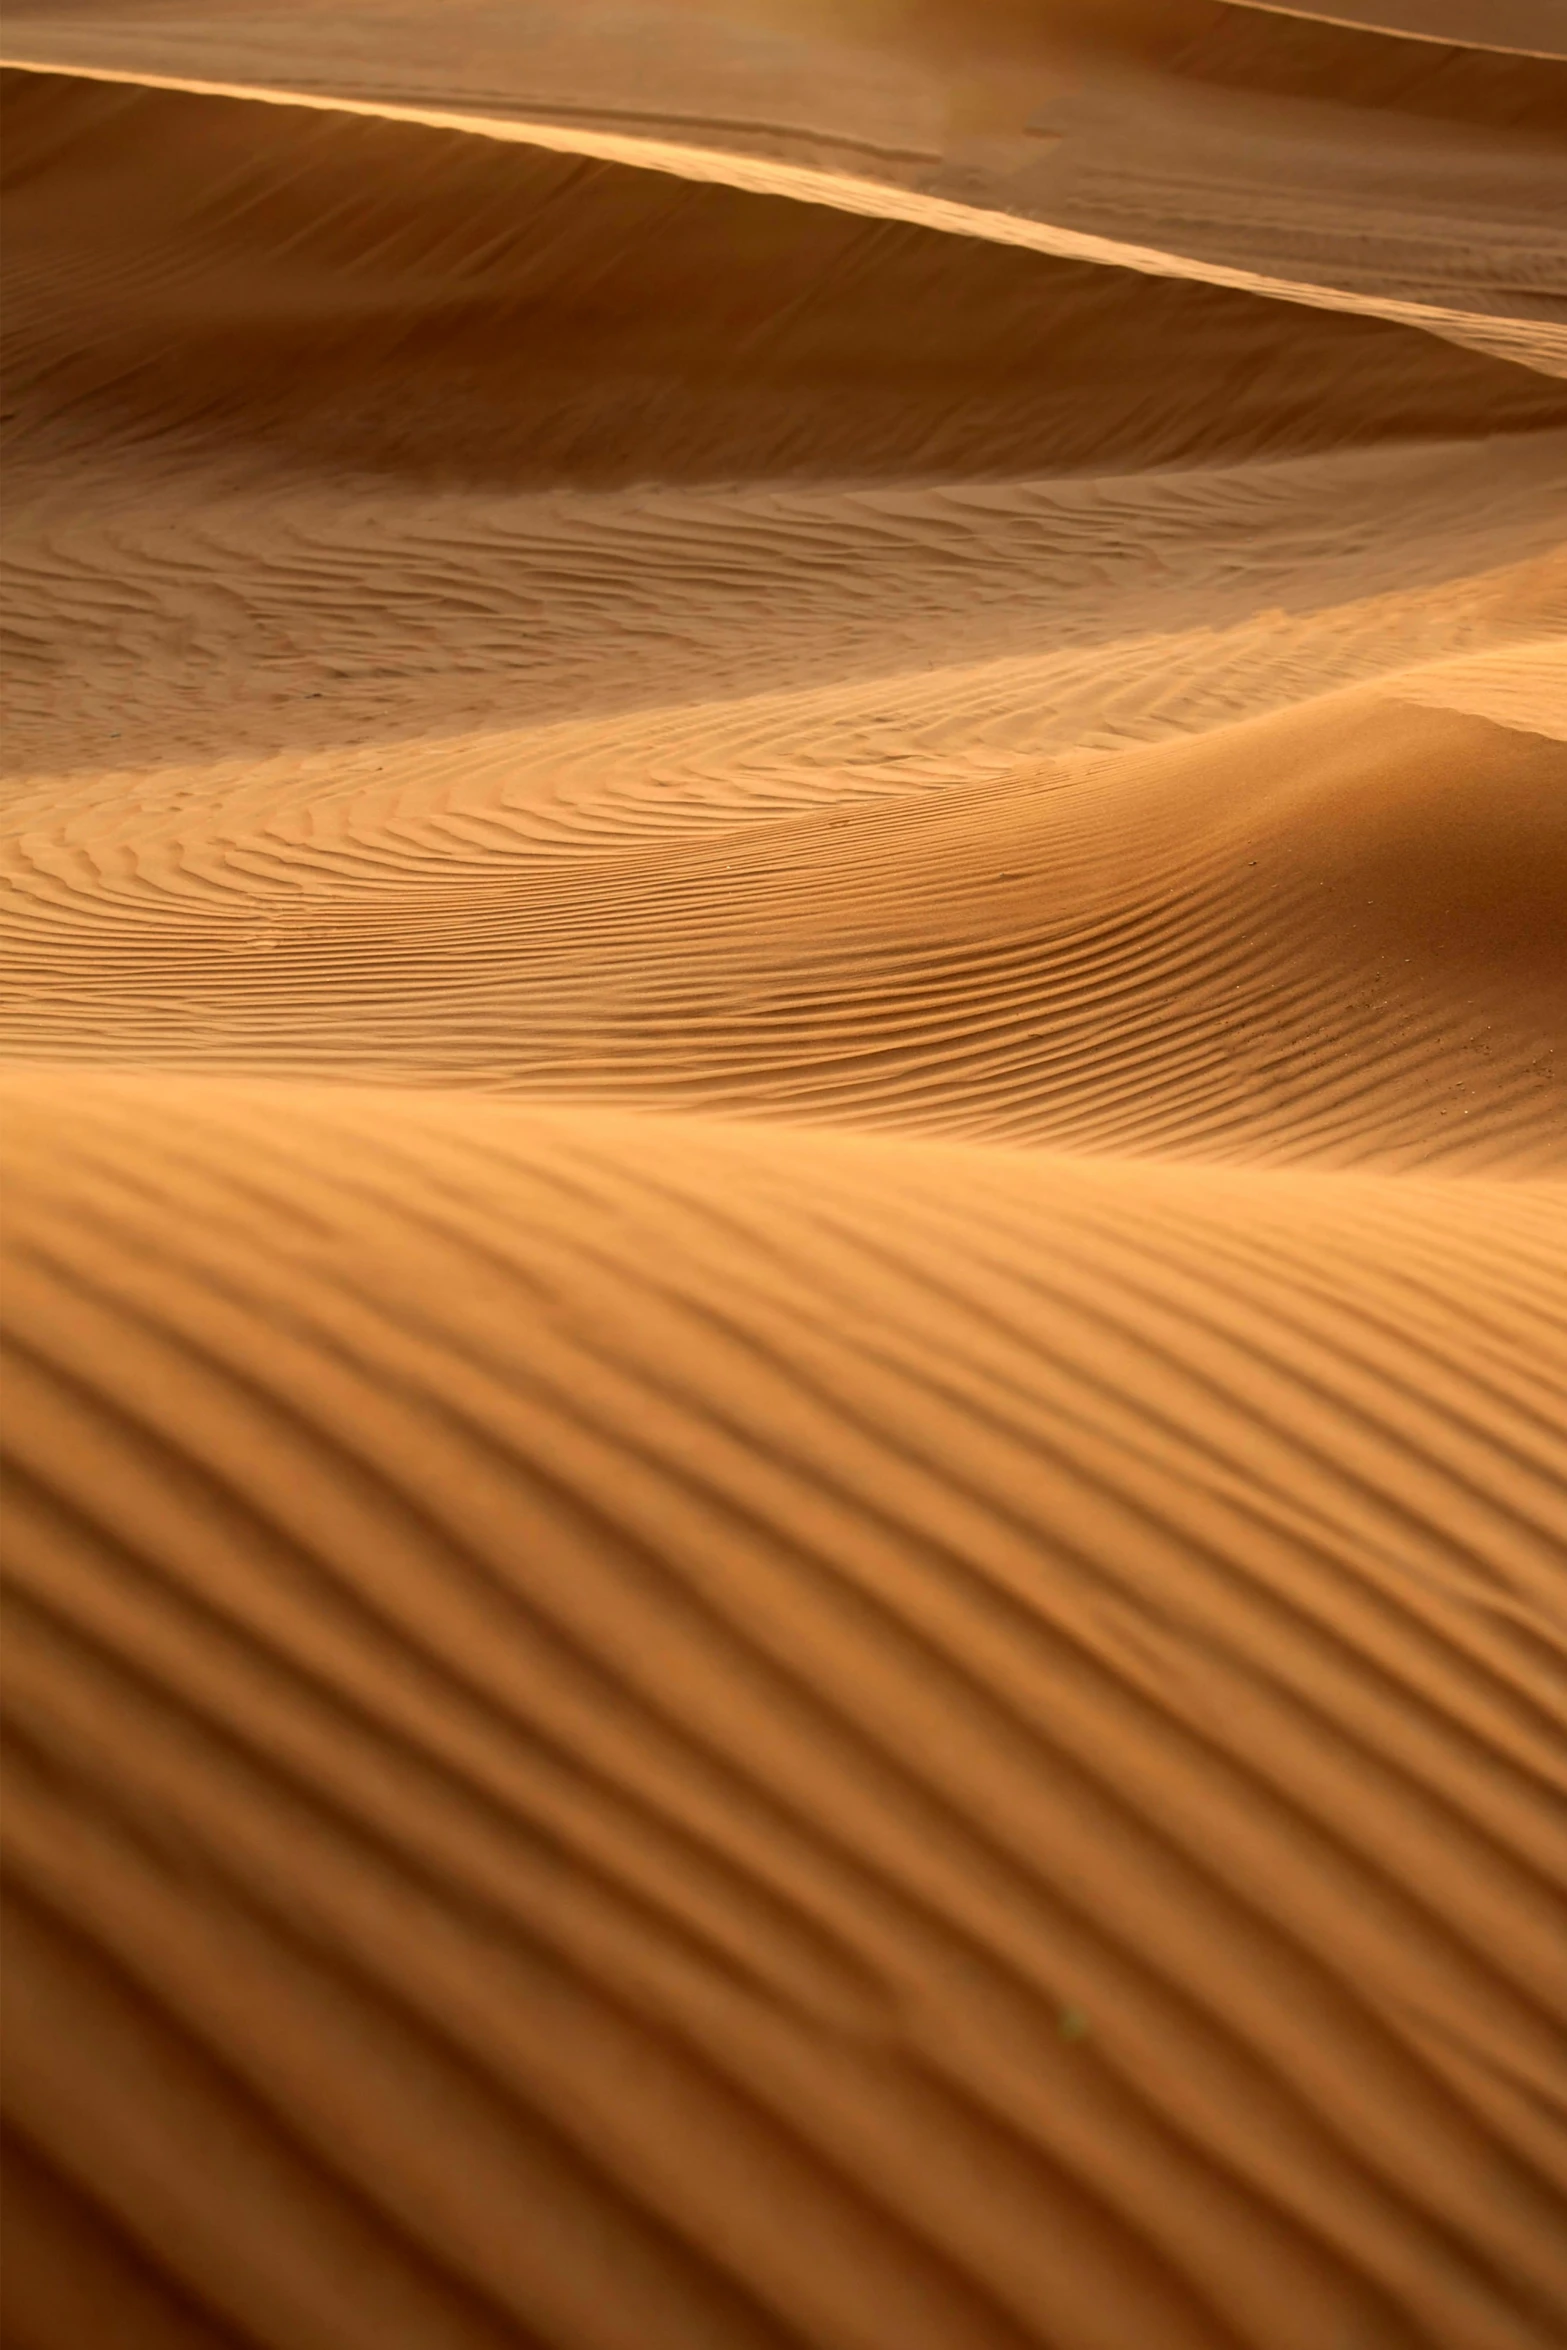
(786, 1171)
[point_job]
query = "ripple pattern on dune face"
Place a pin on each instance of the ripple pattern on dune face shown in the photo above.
(914, 1744)
(785, 1123)
(1334, 936)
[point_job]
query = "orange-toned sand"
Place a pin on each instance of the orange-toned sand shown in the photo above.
(785, 1108)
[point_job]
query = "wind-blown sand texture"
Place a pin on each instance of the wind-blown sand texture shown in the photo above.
(786, 1239)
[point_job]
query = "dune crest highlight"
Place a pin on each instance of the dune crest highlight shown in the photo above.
(784, 1106)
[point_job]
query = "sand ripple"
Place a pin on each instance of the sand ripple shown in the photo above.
(786, 1139)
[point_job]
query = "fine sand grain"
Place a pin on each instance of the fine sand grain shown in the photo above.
(785, 1111)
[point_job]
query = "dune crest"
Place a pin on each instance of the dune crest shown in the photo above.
(785, 1139)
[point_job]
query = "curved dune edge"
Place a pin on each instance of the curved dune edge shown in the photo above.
(913, 1745)
(204, 285)
(1522, 685)
(1532, 342)
(1521, 28)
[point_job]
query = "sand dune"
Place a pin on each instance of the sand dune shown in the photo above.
(786, 1139)
(1339, 166)
(1333, 936)
(919, 1745)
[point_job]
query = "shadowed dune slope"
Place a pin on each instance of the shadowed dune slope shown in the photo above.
(629, 1732)
(329, 290)
(784, 1108)
(1339, 161)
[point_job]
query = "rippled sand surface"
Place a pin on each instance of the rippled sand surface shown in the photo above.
(785, 1103)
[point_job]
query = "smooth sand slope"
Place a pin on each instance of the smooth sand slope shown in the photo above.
(786, 1205)
(1411, 178)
